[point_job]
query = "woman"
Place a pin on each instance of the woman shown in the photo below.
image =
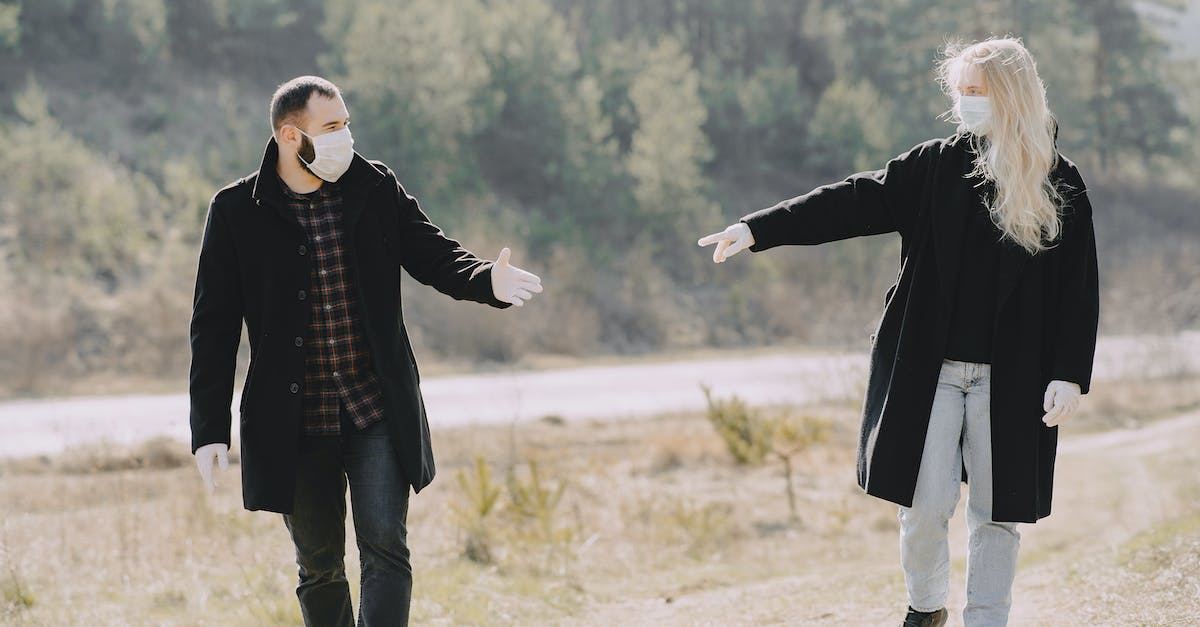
(987, 337)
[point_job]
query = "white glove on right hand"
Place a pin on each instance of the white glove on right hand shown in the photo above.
(204, 462)
(733, 240)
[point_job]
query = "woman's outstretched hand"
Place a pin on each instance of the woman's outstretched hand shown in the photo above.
(733, 240)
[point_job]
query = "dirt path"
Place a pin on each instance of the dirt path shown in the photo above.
(1156, 437)
(605, 392)
(864, 587)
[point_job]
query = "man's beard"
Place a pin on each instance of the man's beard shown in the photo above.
(306, 154)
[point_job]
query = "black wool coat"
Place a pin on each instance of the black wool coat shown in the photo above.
(255, 267)
(1045, 325)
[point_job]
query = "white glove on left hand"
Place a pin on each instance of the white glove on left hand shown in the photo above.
(205, 455)
(512, 284)
(1061, 401)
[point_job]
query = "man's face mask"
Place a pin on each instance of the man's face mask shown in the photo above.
(975, 113)
(331, 153)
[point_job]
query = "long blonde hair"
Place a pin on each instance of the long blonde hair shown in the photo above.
(1016, 152)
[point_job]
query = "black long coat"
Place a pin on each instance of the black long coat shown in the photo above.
(1044, 330)
(254, 266)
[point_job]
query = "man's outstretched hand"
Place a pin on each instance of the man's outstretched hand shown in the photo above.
(733, 240)
(512, 284)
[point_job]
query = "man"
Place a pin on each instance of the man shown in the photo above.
(308, 251)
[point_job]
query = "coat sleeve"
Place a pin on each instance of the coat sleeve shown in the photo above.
(866, 203)
(434, 259)
(1079, 293)
(216, 331)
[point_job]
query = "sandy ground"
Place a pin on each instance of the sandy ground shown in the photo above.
(656, 526)
(1085, 565)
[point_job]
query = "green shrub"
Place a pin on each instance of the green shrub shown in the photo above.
(704, 525)
(534, 503)
(744, 430)
(474, 511)
(753, 437)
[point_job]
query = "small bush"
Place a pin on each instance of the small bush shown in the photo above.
(704, 526)
(527, 514)
(16, 596)
(744, 430)
(792, 437)
(534, 502)
(14, 593)
(753, 437)
(474, 511)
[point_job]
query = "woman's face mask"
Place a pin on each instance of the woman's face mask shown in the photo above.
(975, 113)
(332, 154)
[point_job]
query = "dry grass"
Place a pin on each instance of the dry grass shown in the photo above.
(655, 524)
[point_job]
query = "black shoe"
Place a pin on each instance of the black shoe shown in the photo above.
(925, 619)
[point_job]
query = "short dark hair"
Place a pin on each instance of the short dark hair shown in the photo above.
(291, 98)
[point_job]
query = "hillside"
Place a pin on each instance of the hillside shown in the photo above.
(597, 138)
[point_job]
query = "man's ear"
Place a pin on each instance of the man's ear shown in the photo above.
(288, 135)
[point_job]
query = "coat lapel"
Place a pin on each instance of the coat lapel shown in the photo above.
(355, 183)
(267, 191)
(950, 210)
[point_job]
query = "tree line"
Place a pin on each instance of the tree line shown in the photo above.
(601, 137)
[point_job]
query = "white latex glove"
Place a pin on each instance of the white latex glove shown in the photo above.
(733, 240)
(1061, 401)
(204, 461)
(512, 284)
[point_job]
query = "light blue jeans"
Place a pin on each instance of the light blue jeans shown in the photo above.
(959, 432)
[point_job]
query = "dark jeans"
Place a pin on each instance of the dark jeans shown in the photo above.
(379, 501)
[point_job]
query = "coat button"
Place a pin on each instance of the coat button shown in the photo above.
(302, 249)
(299, 341)
(295, 388)
(301, 295)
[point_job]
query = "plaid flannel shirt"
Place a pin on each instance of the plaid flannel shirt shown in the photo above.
(337, 366)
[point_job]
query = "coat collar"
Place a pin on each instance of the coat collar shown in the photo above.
(360, 178)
